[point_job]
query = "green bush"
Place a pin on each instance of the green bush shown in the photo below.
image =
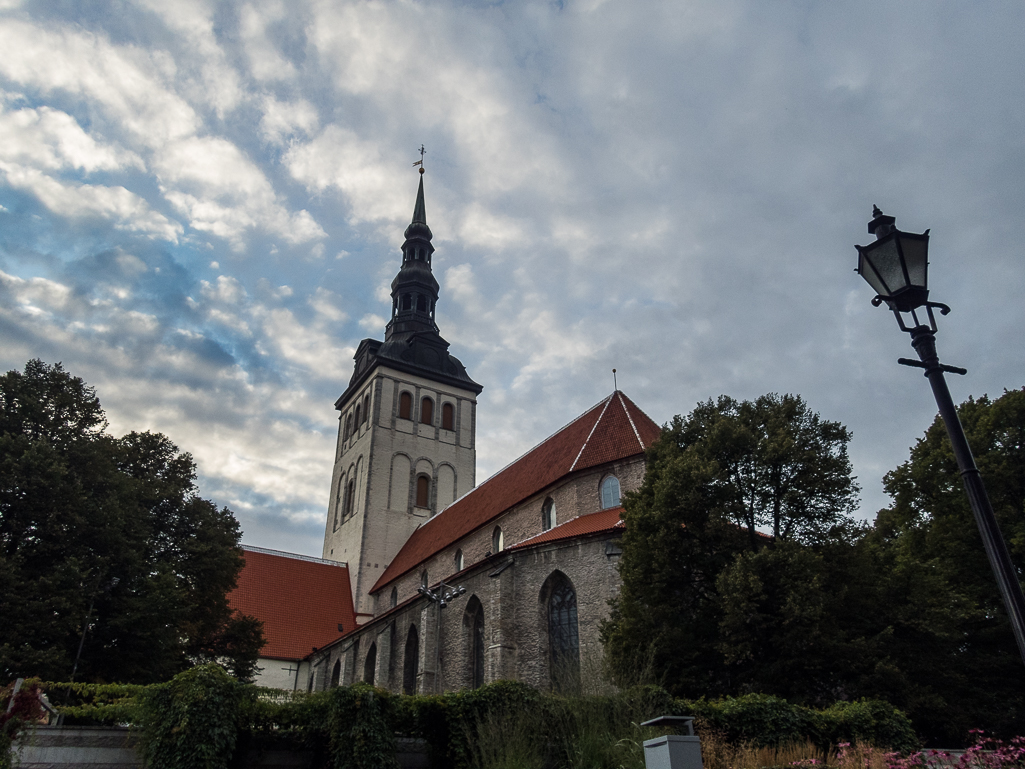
(192, 722)
(766, 721)
(202, 717)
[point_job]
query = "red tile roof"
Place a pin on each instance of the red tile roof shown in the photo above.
(301, 600)
(613, 429)
(592, 523)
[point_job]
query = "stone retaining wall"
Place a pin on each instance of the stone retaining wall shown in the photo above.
(89, 747)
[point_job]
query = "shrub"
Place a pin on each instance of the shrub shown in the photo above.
(25, 709)
(192, 722)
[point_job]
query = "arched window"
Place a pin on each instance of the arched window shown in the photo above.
(336, 674)
(394, 597)
(348, 428)
(497, 540)
(459, 560)
(421, 303)
(563, 638)
(609, 492)
(548, 515)
(448, 417)
(359, 417)
(411, 661)
(350, 497)
(423, 491)
(370, 664)
(473, 622)
(427, 411)
(407, 301)
(424, 580)
(366, 408)
(405, 406)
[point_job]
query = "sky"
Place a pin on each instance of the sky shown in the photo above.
(202, 204)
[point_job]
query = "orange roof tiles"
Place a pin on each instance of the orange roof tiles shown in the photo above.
(592, 523)
(613, 429)
(300, 600)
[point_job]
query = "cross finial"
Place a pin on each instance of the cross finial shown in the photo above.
(420, 162)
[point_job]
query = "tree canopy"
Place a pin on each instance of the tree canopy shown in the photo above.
(824, 609)
(87, 519)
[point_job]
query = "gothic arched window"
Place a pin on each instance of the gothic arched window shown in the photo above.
(473, 622)
(358, 420)
(366, 408)
(548, 515)
(563, 637)
(405, 406)
(348, 428)
(497, 540)
(448, 417)
(394, 597)
(427, 411)
(609, 492)
(336, 674)
(423, 491)
(370, 664)
(459, 560)
(350, 497)
(411, 661)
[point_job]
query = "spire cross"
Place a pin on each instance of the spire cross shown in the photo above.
(420, 162)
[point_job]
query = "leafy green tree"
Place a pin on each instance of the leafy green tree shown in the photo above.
(89, 520)
(685, 614)
(962, 660)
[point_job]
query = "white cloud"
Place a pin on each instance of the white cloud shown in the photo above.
(283, 120)
(265, 61)
(50, 139)
(124, 208)
(223, 192)
(132, 84)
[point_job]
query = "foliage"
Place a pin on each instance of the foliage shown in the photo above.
(956, 662)
(360, 729)
(192, 722)
(704, 606)
(80, 509)
(14, 716)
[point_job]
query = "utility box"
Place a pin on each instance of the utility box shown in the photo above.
(673, 751)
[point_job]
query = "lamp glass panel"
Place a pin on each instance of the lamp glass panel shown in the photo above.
(884, 257)
(915, 249)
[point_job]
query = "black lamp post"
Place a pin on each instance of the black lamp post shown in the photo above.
(896, 266)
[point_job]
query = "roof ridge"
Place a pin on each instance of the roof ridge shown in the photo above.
(630, 418)
(295, 556)
(594, 427)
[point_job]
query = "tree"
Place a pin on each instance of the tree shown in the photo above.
(80, 509)
(712, 480)
(968, 668)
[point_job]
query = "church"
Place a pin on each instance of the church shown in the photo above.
(427, 581)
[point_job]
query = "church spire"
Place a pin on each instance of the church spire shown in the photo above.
(414, 291)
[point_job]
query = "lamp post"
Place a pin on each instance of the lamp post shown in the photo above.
(896, 266)
(441, 597)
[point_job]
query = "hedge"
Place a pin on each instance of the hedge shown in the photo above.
(202, 718)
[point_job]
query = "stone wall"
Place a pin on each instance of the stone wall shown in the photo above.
(80, 747)
(511, 588)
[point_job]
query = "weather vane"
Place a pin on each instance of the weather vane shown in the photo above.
(420, 162)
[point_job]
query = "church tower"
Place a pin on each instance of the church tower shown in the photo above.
(406, 432)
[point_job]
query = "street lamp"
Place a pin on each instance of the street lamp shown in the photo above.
(896, 266)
